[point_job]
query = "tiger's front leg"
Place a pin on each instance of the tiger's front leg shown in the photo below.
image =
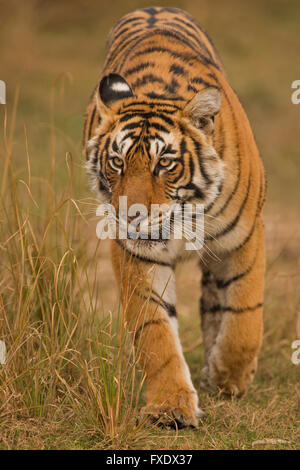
(148, 297)
(232, 323)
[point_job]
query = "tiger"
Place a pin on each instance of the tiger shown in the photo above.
(164, 126)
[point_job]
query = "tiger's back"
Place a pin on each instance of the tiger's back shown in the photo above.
(158, 48)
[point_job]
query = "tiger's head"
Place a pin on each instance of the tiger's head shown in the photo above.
(154, 151)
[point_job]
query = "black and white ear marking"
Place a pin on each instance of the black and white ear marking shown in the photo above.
(113, 87)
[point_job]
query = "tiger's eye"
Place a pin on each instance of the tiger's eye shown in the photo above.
(165, 162)
(117, 161)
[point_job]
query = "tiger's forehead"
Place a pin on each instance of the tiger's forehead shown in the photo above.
(142, 121)
(156, 144)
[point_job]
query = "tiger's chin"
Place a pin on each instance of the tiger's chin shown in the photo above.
(160, 251)
(146, 246)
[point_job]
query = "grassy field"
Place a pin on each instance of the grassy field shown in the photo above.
(59, 312)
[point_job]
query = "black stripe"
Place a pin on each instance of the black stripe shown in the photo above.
(172, 87)
(191, 88)
(200, 81)
(138, 68)
(223, 284)
(162, 367)
(247, 239)
(145, 79)
(171, 309)
(180, 175)
(117, 49)
(181, 39)
(196, 28)
(213, 202)
(182, 148)
(146, 115)
(129, 134)
(197, 147)
(157, 136)
(234, 222)
(150, 104)
(191, 21)
(122, 31)
(115, 146)
(177, 70)
(140, 257)
(236, 186)
(206, 278)
(182, 29)
(252, 230)
(159, 127)
(146, 324)
(220, 308)
(223, 143)
(152, 11)
(169, 150)
(140, 111)
(132, 125)
(176, 55)
(151, 20)
(198, 193)
(125, 20)
(91, 122)
(161, 96)
(189, 25)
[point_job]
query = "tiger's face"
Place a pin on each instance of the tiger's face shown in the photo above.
(154, 152)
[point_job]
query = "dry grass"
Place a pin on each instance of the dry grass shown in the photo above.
(70, 381)
(65, 362)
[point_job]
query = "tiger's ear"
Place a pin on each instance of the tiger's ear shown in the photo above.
(113, 88)
(202, 108)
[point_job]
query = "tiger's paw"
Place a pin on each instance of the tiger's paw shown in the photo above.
(231, 381)
(175, 418)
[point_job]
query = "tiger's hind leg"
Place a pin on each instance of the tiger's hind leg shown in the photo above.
(210, 322)
(234, 341)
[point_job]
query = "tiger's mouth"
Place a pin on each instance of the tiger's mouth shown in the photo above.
(144, 238)
(153, 231)
(144, 230)
(156, 235)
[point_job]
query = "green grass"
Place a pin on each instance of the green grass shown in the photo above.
(71, 381)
